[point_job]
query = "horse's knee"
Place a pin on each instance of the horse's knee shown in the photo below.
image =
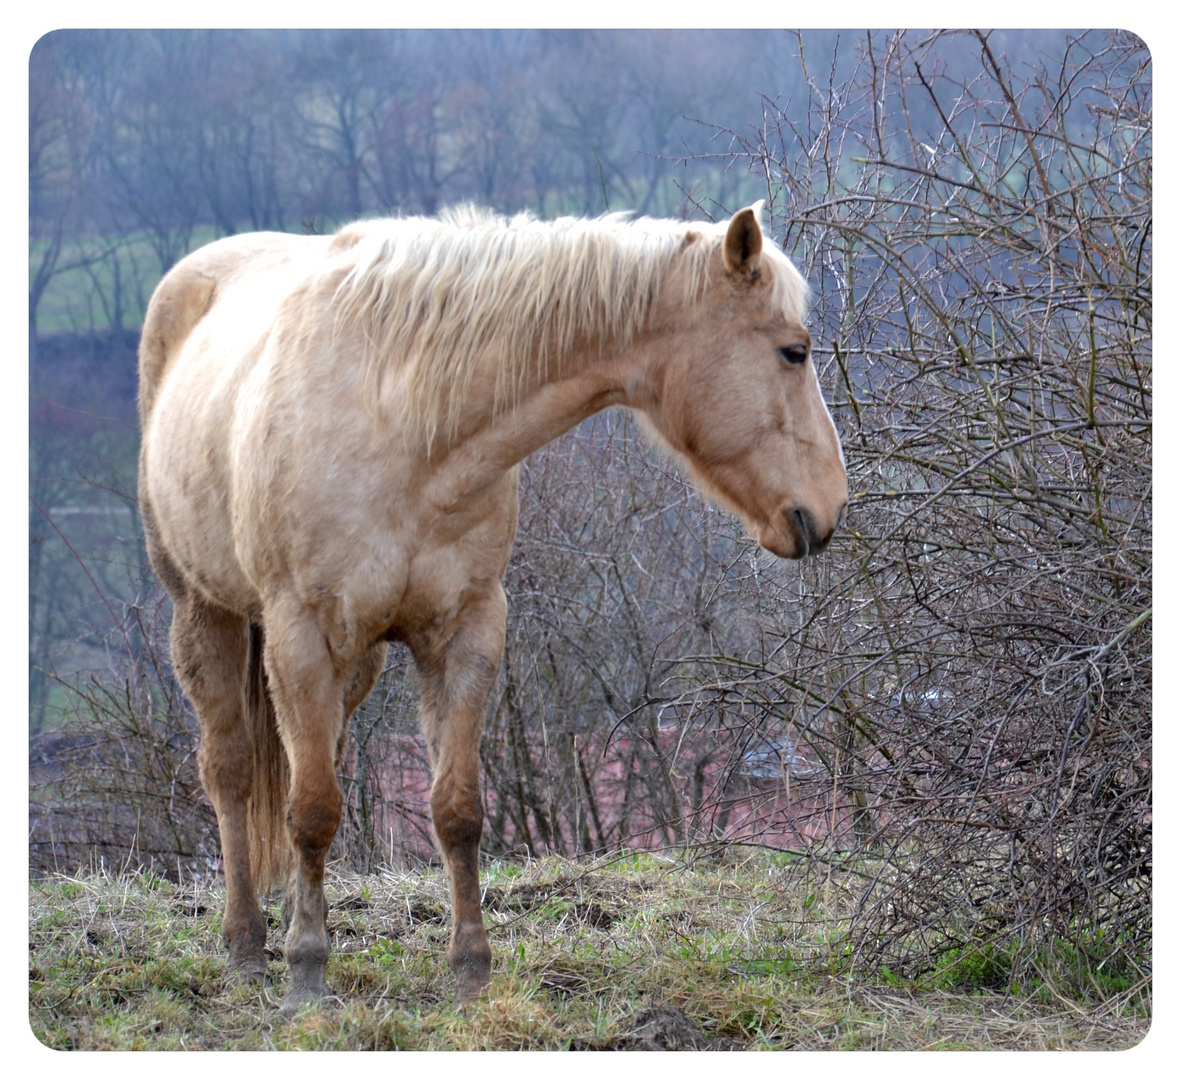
(313, 817)
(457, 814)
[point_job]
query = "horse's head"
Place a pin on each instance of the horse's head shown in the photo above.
(735, 392)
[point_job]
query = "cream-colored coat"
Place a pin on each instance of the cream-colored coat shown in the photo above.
(331, 429)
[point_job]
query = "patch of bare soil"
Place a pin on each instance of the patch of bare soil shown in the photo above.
(663, 1027)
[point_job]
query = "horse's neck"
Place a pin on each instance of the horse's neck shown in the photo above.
(578, 387)
(551, 408)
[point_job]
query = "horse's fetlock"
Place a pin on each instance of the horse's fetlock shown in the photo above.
(470, 950)
(250, 930)
(306, 949)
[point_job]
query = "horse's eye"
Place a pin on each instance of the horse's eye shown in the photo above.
(794, 354)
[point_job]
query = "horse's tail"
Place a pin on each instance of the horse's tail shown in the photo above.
(267, 808)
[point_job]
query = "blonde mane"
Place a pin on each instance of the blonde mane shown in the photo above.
(434, 297)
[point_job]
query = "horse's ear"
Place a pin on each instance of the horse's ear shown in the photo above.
(744, 243)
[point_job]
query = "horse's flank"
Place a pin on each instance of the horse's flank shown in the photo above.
(434, 298)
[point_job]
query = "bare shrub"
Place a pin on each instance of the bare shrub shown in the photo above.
(975, 670)
(114, 783)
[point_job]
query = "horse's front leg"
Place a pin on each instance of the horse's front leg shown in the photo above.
(457, 675)
(309, 708)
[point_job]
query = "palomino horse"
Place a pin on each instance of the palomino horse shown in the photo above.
(331, 433)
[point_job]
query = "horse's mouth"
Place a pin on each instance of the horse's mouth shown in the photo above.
(797, 537)
(783, 541)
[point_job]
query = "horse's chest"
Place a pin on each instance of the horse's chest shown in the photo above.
(442, 581)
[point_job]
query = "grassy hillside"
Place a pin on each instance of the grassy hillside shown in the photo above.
(738, 951)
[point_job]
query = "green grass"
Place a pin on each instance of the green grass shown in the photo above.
(736, 951)
(1086, 969)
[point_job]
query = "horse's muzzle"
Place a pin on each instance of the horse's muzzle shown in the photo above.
(808, 540)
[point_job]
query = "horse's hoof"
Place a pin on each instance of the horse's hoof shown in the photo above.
(299, 997)
(470, 984)
(248, 971)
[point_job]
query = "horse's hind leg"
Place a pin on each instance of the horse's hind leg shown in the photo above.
(457, 676)
(309, 706)
(209, 657)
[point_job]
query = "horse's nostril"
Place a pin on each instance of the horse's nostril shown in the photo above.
(803, 524)
(841, 517)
